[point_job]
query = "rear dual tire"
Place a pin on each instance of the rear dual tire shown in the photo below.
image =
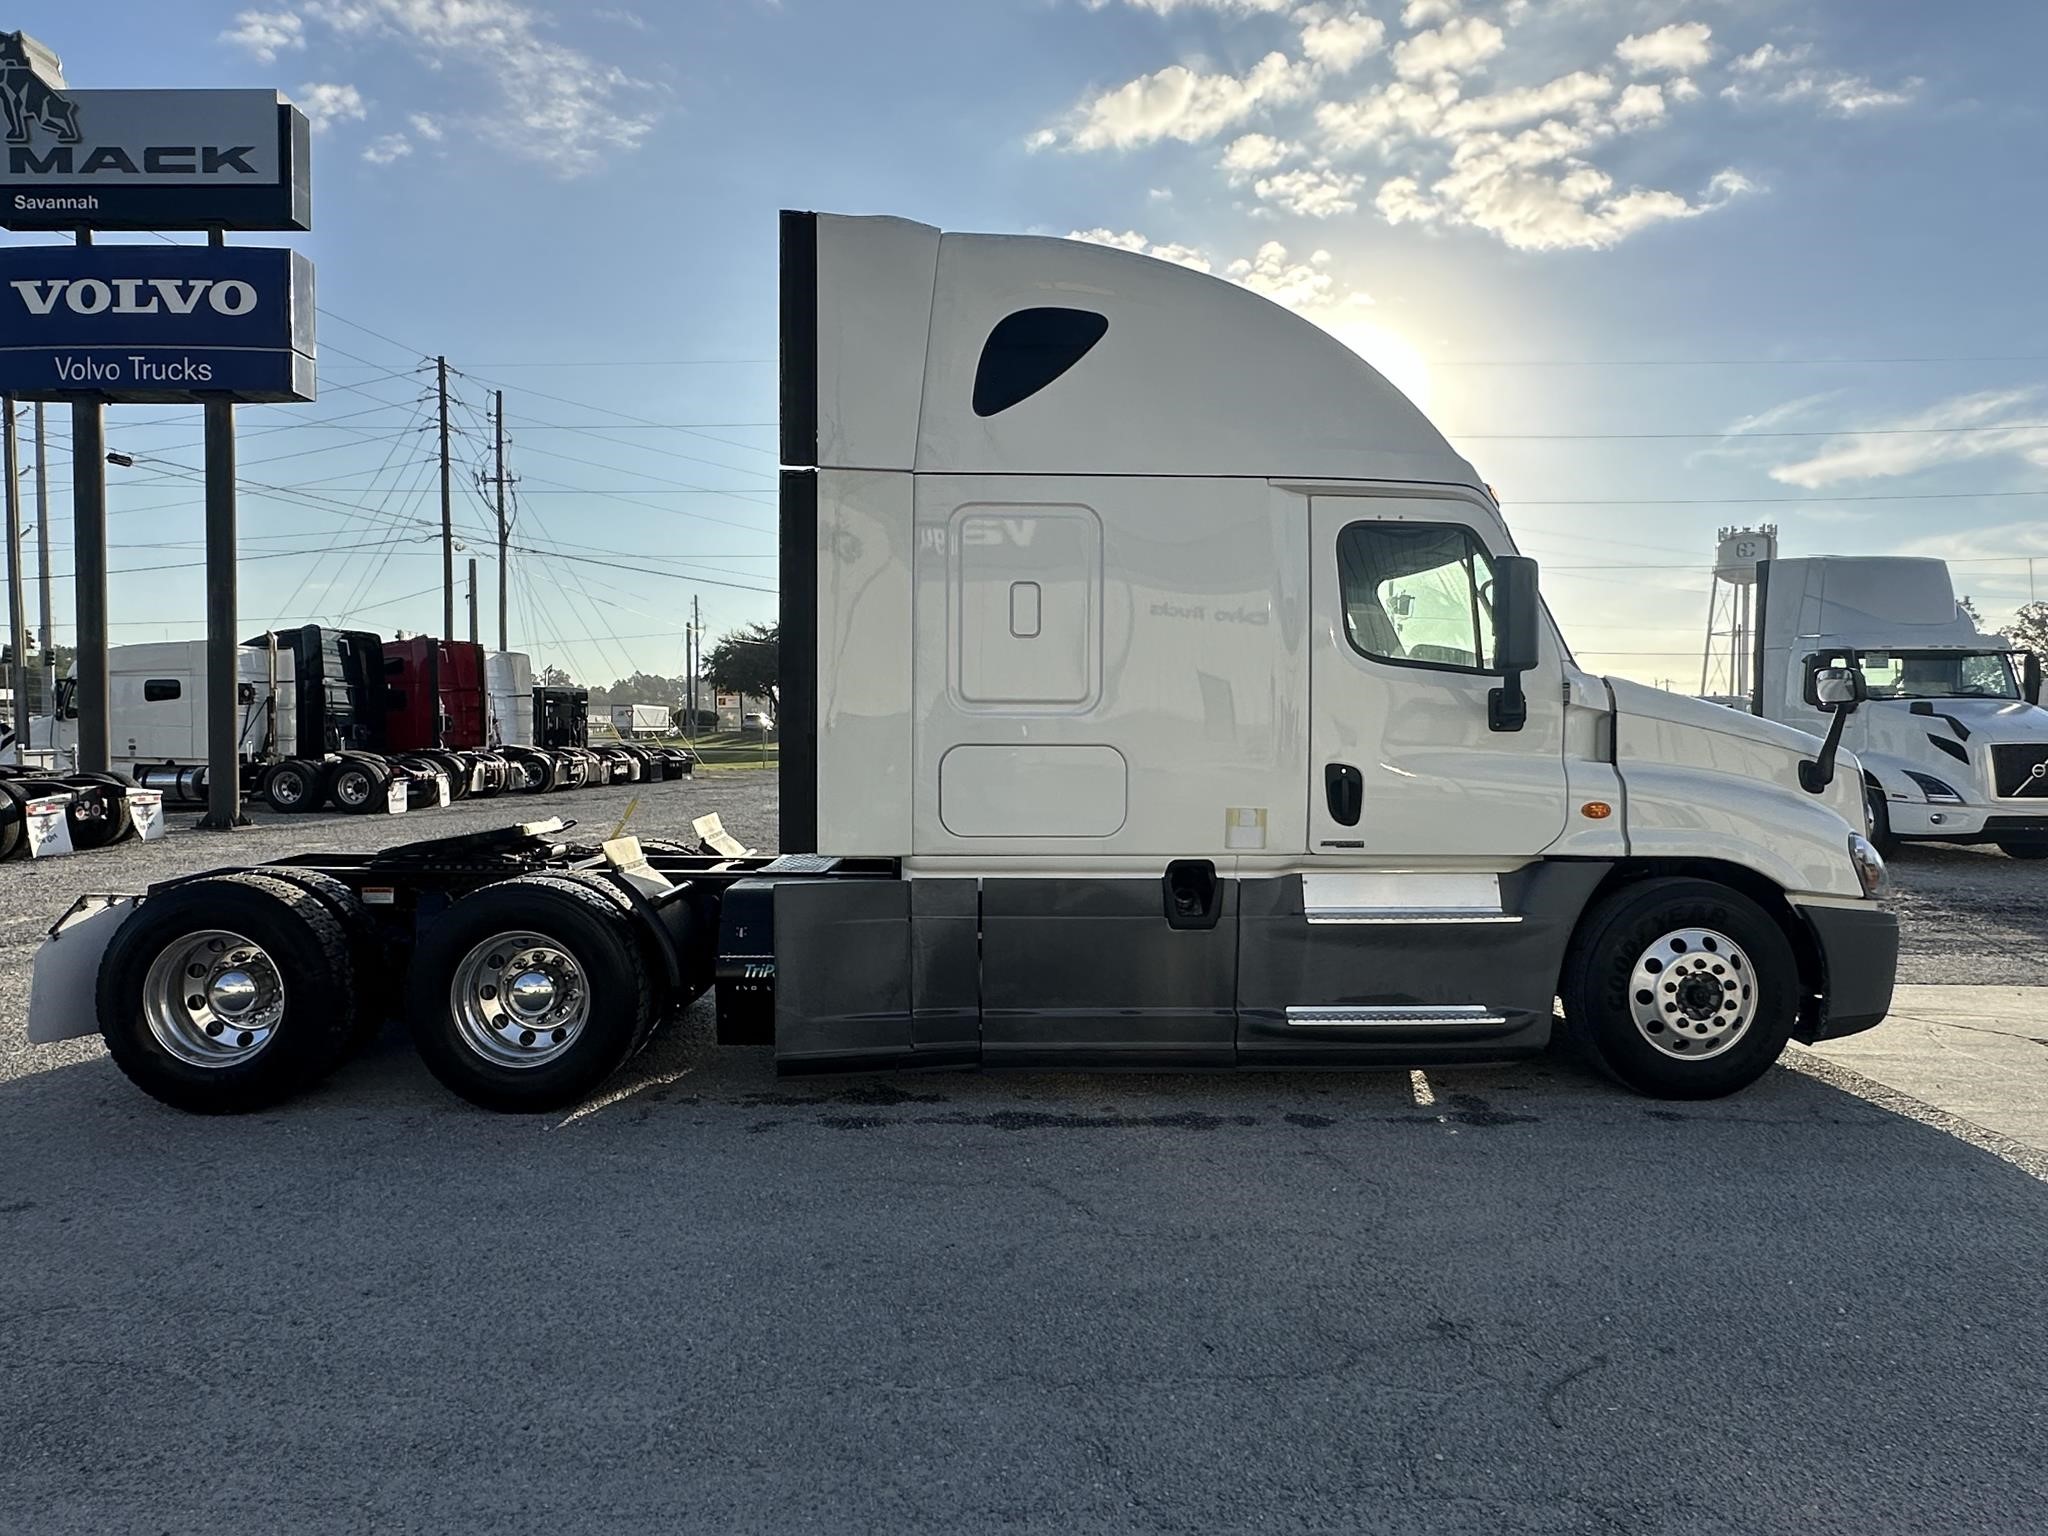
(526, 995)
(229, 994)
(1680, 989)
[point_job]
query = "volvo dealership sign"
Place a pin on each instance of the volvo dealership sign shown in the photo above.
(150, 323)
(145, 159)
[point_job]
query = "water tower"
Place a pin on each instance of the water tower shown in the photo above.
(1731, 610)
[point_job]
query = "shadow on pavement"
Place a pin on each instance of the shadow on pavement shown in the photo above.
(716, 1299)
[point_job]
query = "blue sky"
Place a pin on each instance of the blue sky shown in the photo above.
(1654, 267)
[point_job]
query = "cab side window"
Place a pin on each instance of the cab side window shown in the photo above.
(1417, 594)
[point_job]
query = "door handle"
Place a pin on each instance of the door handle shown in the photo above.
(1345, 787)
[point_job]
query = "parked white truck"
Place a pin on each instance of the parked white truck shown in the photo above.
(642, 720)
(1952, 742)
(1159, 689)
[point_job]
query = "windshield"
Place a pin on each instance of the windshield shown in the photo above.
(1939, 675)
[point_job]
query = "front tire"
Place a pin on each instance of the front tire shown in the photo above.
(527, 994)
(1882, 838)
(228, 994)
(1680, 989)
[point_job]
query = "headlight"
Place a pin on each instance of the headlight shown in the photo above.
(1937, 792)
(1869, 865)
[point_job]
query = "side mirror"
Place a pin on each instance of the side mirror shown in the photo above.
(1515, 606)
(1833, 686)
(2030, 677)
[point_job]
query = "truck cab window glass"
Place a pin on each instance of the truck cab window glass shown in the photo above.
(156, 690)
(1028, 350)
(1419, 594)
(1939, 675)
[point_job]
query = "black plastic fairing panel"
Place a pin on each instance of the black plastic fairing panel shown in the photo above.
(799, 353)
(1506, 968)
(1088, 973)
(797, 763)
(842, 971)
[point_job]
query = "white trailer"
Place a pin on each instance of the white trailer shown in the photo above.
(508, 679)
(1158, 689)
(1952, 742)
(631, 720)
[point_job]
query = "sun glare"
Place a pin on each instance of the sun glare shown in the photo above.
(1397, 358)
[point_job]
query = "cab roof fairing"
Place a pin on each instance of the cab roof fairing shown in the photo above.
(1195, 375)
(1868, 602)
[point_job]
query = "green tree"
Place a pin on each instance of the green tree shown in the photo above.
(1970, 612)
(747, 661)
(2029, 629)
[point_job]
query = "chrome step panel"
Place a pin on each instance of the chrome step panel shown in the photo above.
(1403, 896)
(1349, 1016)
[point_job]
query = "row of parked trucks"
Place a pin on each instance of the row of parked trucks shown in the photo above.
(348, 719)
(1158, 689)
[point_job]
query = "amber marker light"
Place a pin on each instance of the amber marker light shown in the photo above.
(1596, 810)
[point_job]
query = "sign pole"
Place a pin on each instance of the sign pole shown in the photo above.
(43, 572)
(223, 704)
(89, 562)
(17, 606)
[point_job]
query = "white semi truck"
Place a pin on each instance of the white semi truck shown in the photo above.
(1159, 690)
(1952, 742)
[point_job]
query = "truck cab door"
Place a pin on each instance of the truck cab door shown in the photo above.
(1406, 757)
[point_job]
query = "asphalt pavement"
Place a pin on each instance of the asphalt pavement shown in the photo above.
(1503, 1300)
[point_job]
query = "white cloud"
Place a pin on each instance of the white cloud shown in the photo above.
(1420, 13)
(1131, 240)
(1315, 194)
(1526, 103)
(1296, 284)
(2002, 423)
(1455, 48)
(266, 34)
(1682, 89)
(558, 106)
(1392, 111)
(1777, 76)
(1770, 56)
(425, 126)
(387, 148)
(1178, 103)
(1674, 49)
(1253, 153)
(1228, 7)
(1401, 200)
(326, 104)
(1640, 106)
(1338, 42)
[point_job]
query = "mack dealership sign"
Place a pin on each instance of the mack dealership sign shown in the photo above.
(149, 159)
(153, 323)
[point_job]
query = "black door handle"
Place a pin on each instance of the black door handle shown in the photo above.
(1345, 786)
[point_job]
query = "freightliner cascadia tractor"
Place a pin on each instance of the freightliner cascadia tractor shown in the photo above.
(1159, 689)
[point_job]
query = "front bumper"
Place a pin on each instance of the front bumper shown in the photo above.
(1965, 823)
(1859, 962)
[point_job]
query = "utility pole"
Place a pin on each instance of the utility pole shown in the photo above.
(43, 570)
(447, 513)
(696, 660)
(472, 599)
(504, 571)
(17, 621)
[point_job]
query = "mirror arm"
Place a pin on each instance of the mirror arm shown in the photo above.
(1817, 773)
(1507, 707)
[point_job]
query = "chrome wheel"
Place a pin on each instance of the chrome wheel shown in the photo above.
(213, 998)
(1693, 993)
(519, 999)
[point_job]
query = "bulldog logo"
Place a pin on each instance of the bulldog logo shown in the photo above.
(27, 98)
